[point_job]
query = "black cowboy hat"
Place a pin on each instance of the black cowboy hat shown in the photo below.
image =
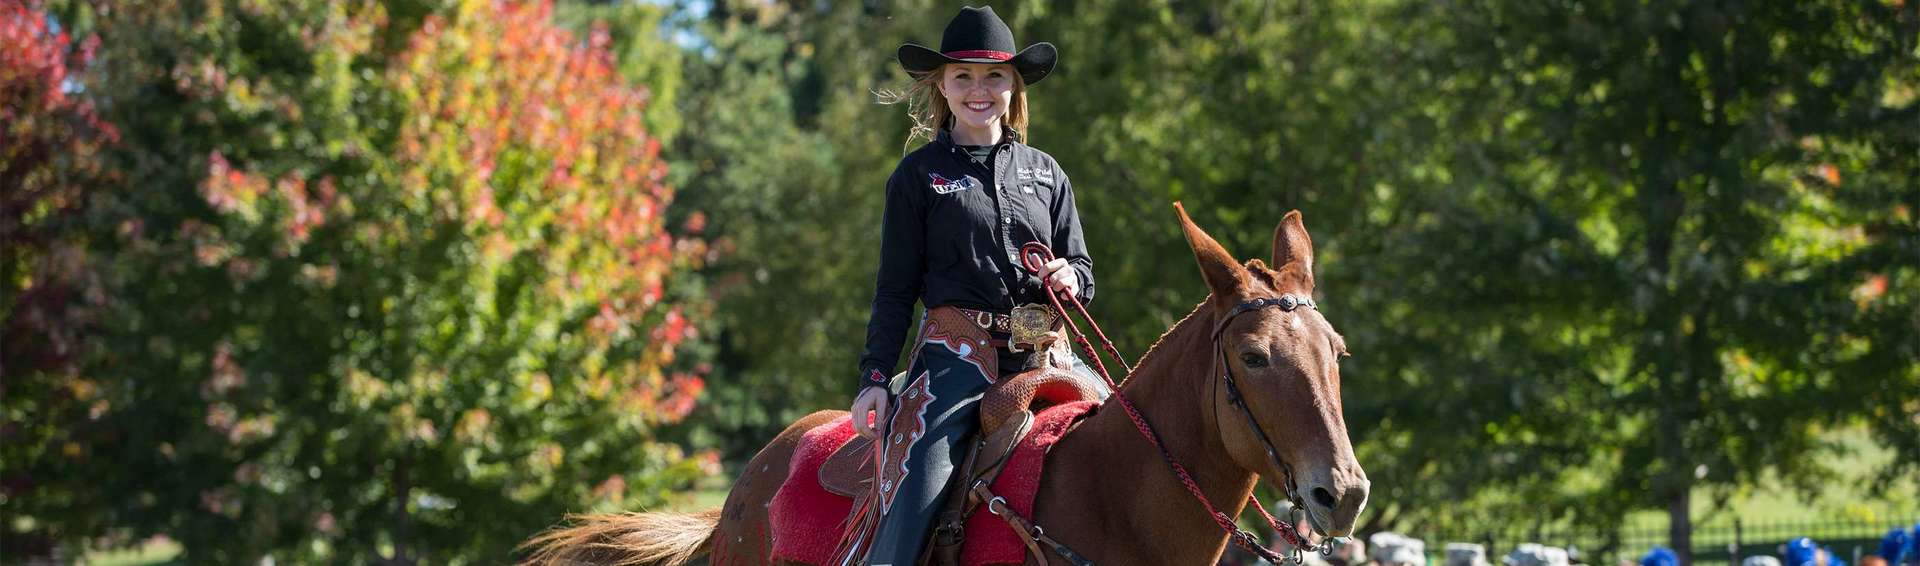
(976, 35)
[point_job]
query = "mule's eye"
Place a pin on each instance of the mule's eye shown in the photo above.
(1253, 360)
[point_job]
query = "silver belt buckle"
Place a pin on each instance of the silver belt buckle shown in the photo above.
(1029, 325)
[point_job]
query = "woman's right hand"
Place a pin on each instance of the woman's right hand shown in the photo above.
(871, 401)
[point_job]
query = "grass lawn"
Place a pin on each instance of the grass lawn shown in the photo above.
(708, 493)
(154, 552)
(1849, 498)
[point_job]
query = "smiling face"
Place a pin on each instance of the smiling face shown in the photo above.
(979, 95)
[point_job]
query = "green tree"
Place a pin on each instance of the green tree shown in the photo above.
(1593, 257)
(1688, 232)
(784, 154)
(387, 282)
(1585, 252)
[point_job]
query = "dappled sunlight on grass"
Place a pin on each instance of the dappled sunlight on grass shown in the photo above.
(155, 551)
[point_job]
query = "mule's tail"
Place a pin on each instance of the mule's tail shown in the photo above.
(626, 539)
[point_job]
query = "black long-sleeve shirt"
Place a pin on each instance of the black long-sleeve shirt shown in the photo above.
(952, 232)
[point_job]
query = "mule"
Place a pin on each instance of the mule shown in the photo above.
(1106, 492)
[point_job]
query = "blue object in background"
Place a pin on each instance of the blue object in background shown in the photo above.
(1660, 556)
(1913, 545)
(1801, 552)
(1893, 547)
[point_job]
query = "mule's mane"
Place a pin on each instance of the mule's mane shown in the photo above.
(1142, 362)
(1254, 266)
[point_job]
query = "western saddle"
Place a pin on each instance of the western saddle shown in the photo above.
(1006, 416)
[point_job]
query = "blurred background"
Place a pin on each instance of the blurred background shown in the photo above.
(406, 281)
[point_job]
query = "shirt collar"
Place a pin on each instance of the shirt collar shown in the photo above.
(1008, 136)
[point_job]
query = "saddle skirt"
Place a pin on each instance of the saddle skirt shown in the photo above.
(832, 467)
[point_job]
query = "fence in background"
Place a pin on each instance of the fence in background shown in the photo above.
(1712, 545)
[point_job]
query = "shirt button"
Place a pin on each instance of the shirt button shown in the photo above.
(1006, 220)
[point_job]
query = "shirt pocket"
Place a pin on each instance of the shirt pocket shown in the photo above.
(1037, 193)
(1036, 200)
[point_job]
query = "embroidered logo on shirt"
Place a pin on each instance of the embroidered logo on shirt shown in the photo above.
(943, 185)
(1030, 173)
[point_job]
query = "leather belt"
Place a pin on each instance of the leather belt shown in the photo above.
(989, 321)
(1028, 327)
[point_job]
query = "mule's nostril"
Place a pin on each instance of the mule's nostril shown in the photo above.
(1323, 497)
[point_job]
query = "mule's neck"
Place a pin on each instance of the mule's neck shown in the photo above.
(1173, 389)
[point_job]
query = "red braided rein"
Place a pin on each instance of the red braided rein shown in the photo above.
(1035, 257)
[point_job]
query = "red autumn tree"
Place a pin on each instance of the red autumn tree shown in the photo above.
(50, 143)
(388, 281)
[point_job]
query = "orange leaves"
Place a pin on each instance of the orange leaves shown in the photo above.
(1870, 290)
(50, 142)
(696, 224)
(682, 391)
(33, 54)
(226, 374)
(201, 79)
(445, 243)
(532, 130)
(483, 209)
(605, 323)
(305, 212)
(613, 489)
(1829, 173)
(286, 203)
(36, 63)
(475, 427)
(674, 330)
(226, 189)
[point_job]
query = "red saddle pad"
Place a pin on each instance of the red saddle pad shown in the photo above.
(808, 520)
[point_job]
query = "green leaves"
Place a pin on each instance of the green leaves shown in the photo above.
(1579, 249)
(341, 276)
(366, 292)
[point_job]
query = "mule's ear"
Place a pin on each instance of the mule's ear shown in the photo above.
(1293, 250)
(1224, 275)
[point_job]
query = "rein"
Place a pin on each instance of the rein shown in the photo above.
(1034, 256)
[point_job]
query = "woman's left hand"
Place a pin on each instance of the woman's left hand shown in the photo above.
(1062, 277)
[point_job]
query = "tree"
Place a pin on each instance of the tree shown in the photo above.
(634, 37)
(783, 159)
(1696, 213)
(387, 281)
(1582, 250)
(54, 138)
(1579, 266)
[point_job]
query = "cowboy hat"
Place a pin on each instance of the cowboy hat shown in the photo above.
(976, 35)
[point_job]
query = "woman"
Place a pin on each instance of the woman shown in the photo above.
(958, 211)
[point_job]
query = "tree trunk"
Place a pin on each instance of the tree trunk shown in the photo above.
(402, 491)
(1680, 523)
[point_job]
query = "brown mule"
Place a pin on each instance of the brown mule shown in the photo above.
(1106, 492)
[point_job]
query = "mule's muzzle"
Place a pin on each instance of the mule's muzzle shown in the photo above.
(1334, 500)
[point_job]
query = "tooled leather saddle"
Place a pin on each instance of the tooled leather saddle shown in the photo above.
(1006, 416)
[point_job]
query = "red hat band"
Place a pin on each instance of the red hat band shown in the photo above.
(979, 54)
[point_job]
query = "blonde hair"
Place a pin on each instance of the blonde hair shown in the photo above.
(928, 110)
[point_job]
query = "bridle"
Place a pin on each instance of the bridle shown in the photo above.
(1287, 302)
(1035, 256)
